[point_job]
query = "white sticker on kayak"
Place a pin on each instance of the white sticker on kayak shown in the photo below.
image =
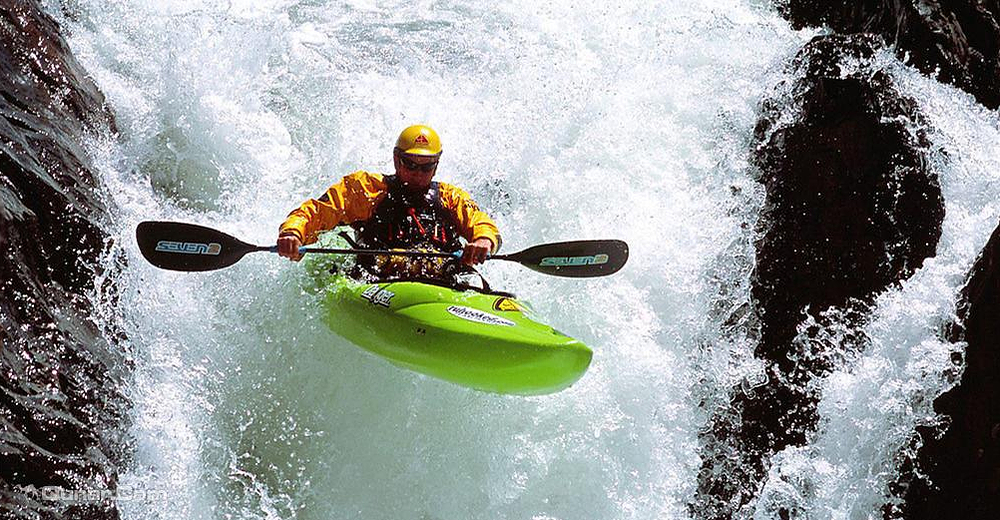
(377, 295)
(470, 314)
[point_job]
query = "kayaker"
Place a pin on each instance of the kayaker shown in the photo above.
(407, 210)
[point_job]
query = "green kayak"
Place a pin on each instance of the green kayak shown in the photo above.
(485, 341)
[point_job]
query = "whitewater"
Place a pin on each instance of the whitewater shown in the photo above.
(564, 121)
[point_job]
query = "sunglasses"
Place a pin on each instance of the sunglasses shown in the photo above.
(415, 166)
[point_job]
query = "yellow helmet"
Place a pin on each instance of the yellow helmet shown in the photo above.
(419, 140)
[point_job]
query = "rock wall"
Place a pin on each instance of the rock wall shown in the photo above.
(61, 376)
(851, 208)
(958, 41)
(959, 471)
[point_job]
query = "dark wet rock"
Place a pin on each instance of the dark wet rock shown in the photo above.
(962, 463)
(61, 377)
(957, 41)
(852, 205)
(851, 208)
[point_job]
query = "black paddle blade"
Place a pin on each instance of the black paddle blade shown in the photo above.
(579, 259)
(188, 247)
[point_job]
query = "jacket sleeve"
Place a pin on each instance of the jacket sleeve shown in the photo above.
(353, 198)
(473, 223)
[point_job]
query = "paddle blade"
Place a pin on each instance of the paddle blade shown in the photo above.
(579, 259)
(188, 247)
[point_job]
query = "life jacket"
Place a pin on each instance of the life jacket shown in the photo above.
(402, 220)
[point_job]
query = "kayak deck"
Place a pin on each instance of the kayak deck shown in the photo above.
(484, 341)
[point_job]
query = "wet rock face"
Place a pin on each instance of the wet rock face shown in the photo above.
(963, 464)
(851, 208)
(60, 377)
(959, 41)
(851, 204)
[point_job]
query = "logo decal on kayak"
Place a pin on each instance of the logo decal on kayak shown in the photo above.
(569, 261)
(469, 314)
(378, 295)
(506, 305)
(188, 248)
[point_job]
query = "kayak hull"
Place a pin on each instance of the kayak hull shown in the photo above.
(488, 342)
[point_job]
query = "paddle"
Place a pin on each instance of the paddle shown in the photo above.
(178, 246)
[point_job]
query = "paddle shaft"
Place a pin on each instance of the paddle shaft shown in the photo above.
(378, 252)
(367, 252)
(180, 246)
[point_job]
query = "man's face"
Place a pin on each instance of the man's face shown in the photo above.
(416, 171)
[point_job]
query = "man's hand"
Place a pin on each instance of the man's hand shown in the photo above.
(476, 251)
(288, 247)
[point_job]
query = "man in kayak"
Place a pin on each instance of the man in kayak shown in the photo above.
(403, 211)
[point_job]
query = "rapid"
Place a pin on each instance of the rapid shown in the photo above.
(564, 121)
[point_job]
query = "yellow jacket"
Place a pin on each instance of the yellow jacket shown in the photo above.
(356, 196)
